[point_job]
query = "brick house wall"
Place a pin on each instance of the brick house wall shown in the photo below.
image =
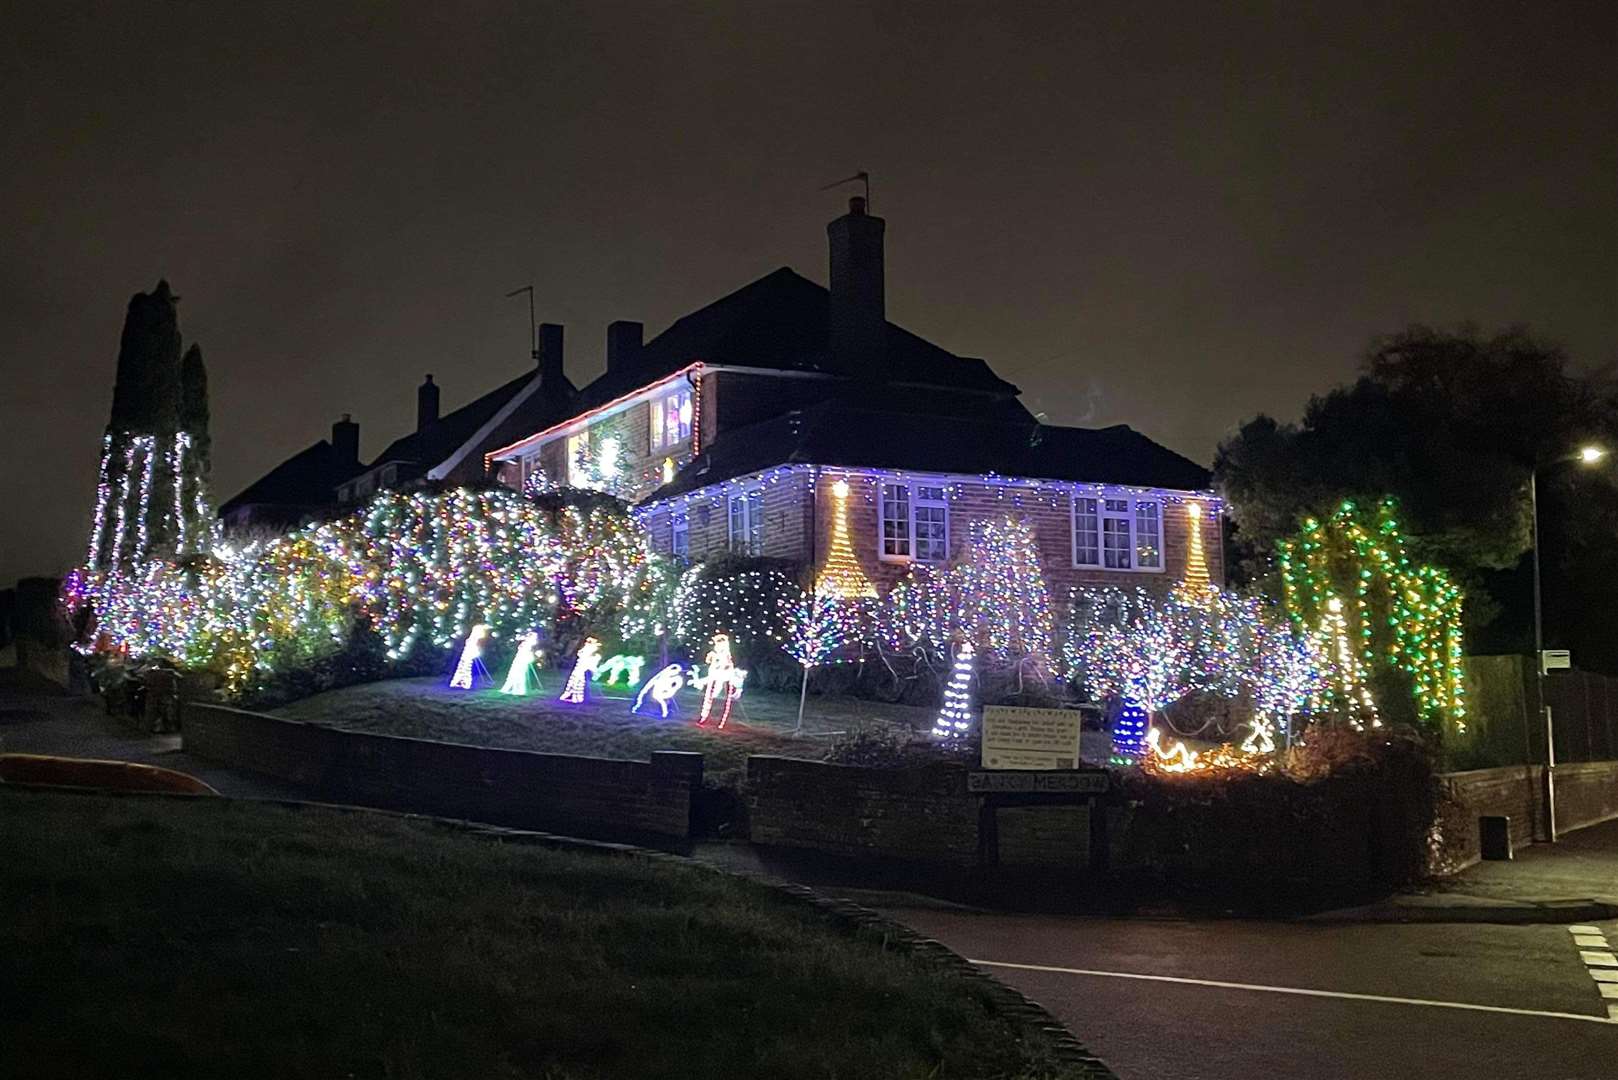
(799, 519)
(641, 468)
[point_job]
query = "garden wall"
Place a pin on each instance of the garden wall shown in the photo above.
(1586, 794)
(630, 801)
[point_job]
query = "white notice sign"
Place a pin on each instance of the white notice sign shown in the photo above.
(1016, 738)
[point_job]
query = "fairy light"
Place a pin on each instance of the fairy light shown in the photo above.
(103, 494)
(177, 474)
(620, 664)
(1196, 563)
(954, 721)
(721, 683)
(842, 575)
(1129, 734)
(1174, 759)
(522, 666)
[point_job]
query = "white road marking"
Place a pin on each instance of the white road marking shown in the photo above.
(1219, 984)
(1584, 929)
(1612, 1012)
(1604, 975)
(1590, 941)
(1608, 990)
(1598, 959)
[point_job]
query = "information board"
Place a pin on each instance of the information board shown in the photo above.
(1017, 738)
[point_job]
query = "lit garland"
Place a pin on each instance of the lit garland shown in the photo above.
(994, 597)
(1397, 613)
(954, 720)
(842, 576)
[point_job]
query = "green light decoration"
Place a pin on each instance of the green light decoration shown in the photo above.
(1350, 582)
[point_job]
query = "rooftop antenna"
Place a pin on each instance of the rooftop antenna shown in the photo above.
(533, 330)
(862, 176)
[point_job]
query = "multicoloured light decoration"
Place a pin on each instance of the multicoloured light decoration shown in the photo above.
(584, 667)
(842, 575)
(1394, 613)
(722, 682)
(522, 665)
(471, 661)
(995, 597)
(660, 688)
(954, 720)
(1129, 734)
(621, 664)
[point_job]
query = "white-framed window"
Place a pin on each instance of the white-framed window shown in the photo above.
(914, 519)
(679, 534)
(747, 522)
(578, 473)
(671, 419)
(1115, 532)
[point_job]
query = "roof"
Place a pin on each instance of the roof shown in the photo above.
(304, 479)
(781, 322)
(441, 438)
(836, 434)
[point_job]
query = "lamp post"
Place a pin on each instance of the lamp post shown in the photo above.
(1589, 455)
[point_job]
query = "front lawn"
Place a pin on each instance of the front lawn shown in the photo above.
(761, 721)
(206, 938)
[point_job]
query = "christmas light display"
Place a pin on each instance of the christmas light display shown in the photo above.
(722, 682)
(584, 668)
(522, 666)
(819, 625)
(1343, 685)
(842, 576)
(1173, 759)
(994, 597)
(1394, 613)
(1196, 562)
(660, 688)
(471, 661)
(1129, 734)
(620, 664)
(954, 720)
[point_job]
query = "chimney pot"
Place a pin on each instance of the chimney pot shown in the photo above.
(856, 205)
(550, 355)
(345, 442)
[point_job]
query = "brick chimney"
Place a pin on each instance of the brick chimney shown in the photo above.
(623, 343)
(426, 403)
(550, 356)
(858, 326)
(345, 442)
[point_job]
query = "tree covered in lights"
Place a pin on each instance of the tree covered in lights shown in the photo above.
(1380, 618)
(995, 596)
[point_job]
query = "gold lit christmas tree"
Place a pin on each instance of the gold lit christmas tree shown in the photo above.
(842, 576)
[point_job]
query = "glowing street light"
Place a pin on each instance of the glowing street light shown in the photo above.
(1589, 455)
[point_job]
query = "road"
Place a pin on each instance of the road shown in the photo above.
(1543, 1015)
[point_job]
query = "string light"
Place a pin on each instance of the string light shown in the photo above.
(1129, 734)
(842, 576)
(621, 664)
(954, 720)
(1196, 563)
(661, 688)
(723, 681)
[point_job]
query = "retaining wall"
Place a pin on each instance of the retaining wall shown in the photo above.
(634, 801)
(1586, 793)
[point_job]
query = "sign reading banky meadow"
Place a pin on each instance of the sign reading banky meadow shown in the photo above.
(1015, 738)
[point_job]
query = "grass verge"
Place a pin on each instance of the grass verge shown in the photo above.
(180, 938)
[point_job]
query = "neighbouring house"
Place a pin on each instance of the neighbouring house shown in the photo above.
(444, 448)
(729, 430)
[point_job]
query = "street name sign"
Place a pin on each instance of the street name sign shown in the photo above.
(1016, 738)
(1065, 781)
(1555, 660)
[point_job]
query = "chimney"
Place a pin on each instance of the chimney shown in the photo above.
(550, 355)
(426, 403)
(623, 342)
(858, 322)
(345, 442)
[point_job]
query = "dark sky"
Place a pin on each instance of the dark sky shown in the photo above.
(1150, 214)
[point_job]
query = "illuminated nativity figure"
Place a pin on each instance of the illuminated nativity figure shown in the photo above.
(471, 662)
(722, 682)
(587, 664)
(522, 665)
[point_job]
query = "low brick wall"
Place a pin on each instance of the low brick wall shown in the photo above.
(909, 814)
(1586, 794)
(634, 801)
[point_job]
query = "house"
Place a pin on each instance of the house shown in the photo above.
(447, 448)
(731, 430)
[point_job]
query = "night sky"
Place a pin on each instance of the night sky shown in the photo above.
(1149, 216)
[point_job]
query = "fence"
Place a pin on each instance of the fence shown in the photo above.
(1502, 731)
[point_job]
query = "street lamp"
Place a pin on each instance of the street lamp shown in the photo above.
(1588, 455)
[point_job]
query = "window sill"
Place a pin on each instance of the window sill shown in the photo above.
(1120, 569)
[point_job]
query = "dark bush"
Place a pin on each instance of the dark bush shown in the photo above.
(882, 748)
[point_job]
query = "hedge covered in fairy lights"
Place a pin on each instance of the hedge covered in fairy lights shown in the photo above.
(427, 567)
